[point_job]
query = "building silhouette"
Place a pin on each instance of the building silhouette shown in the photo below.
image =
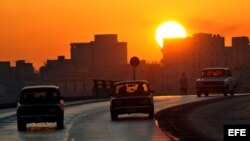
(105, 59)
(105, 52)
(12, 79)
(190, 55)
(240, 52)
(98, 59)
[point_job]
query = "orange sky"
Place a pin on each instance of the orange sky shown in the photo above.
(37, 30)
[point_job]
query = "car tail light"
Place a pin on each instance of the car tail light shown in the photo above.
(18, 104)
(61, 104)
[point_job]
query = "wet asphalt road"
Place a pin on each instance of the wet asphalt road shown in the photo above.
(91, 122)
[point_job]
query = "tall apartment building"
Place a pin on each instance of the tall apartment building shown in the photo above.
(12, 79)
(190, 55)
(104, 53)
(104, 58)
(240, 62)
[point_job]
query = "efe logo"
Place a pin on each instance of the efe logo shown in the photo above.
(236, 133)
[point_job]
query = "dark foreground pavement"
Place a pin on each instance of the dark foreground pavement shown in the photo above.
(204, 120)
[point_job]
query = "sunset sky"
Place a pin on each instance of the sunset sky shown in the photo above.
(37, 30)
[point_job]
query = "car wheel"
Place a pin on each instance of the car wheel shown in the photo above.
(60, 121)
(226, 91)
(59, 124)
(206, 94)
(21, 126)
(198, 94)
(151, 114)
(232, 92)
(114, 116)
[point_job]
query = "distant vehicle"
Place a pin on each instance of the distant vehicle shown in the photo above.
(215, 80)
(41, 103)
(132, 96)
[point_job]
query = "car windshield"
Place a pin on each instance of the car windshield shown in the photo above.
(39, 96)
(126, 89)
(213, 73)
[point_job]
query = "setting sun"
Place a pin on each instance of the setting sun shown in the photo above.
(169, 29)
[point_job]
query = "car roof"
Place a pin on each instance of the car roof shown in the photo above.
(130, 81)
(41, 87)
(216, 68)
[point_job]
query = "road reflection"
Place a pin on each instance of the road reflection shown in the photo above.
(92, 122)
(41, 127)
(42, 132)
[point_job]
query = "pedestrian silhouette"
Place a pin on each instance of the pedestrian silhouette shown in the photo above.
(183, 84)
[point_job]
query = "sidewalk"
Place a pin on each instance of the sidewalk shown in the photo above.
(5, 113)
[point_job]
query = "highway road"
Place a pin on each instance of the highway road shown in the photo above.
(91, 122)
(213, 116)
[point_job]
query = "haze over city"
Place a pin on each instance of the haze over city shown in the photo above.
(43, 29)
(108, 70)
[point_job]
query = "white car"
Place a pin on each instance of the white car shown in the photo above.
(215, 80)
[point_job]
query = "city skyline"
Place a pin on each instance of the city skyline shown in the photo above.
(88, 64)
(40, 30)
(37, 67)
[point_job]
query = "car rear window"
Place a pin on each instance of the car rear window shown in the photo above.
(39, 96)
(131, 89)
(213, 73)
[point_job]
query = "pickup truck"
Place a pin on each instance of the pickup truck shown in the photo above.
(215, 80)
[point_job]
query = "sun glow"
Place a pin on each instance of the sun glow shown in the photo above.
(170, 29)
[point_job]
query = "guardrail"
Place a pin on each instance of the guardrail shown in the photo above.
(67, 99)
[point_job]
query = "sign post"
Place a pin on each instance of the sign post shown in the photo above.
(134, 62)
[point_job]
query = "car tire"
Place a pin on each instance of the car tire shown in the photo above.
(198, 94)
(60, 121)
(21, 126)
(151, 114)
(232, 92)
(206, 94)
(226, 91)
(114, 116)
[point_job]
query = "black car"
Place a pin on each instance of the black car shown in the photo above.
(132, 96)
(38, 104)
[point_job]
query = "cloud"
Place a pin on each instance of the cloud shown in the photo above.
(213, 26)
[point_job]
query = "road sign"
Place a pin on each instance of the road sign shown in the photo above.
(134, 61)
